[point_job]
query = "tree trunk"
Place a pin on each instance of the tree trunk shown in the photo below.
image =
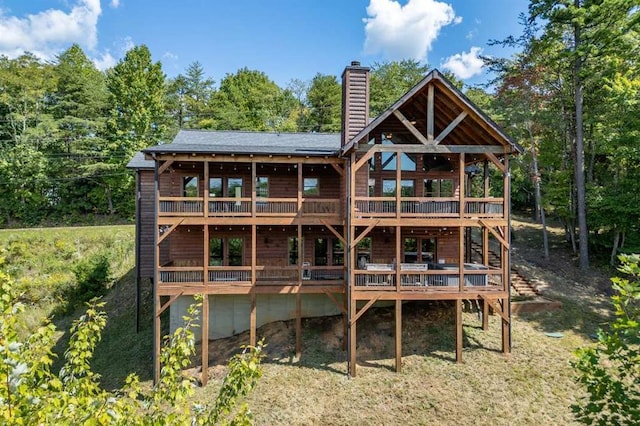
(579, 166)
(614, 250)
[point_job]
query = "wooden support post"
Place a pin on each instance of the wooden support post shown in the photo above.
(205, 339)
(430, 113)
(298, 325)
(506, 329)
(485, 315)
(205, 191)
(459, 334)
(252, 321)
(398, 335)
(352, 340)
(461, 259)
(156, 343)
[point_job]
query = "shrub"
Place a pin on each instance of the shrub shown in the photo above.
(30, 393)
(610, 370)
(93, 275)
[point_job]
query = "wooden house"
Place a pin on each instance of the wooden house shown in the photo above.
(286, 225)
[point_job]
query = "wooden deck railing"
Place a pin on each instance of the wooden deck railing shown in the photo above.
(419, 276)
(233, 207)
(417, 207)
(241, 275)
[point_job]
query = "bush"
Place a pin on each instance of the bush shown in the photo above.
(610, 371)
(93, 275)
(30, 393)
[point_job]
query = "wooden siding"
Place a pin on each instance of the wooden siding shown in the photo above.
(355, 98)
(147, 222)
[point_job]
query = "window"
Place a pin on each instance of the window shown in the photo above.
(311, 186)
(337, 251)
(388, 187)
(215, 187)
(262, 187)
(438, 187)
(235, 251)
(190, 186)
(407, 188)
(234, 187)
(410, 250)
(426, 252)
(293, 250)
(234, 255)
(320, 251)
(216, 252)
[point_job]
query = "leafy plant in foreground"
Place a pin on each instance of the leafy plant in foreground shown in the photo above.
(30, 393)
(610, 370)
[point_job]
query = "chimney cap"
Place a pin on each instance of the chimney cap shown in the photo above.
(355, 63)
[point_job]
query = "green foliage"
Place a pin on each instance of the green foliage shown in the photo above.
(324, 99)
(390, 80)
(610, 370)
(93, 276)
(30, 393)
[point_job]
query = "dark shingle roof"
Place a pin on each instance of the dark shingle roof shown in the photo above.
(243, 142)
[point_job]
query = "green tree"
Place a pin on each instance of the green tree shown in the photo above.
(136, 120)
(588, 29)
(249, 100)
(390, 80)
(80, 110)
(324, 101)
(610, 370)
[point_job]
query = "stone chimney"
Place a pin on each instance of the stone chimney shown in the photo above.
(355, 100)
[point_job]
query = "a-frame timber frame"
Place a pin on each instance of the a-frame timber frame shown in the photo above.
(432, 119)
(395, 209)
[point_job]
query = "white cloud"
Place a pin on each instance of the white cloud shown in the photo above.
(170, 56)
(466, 64)
(399, 32)
(48, 32)
(127, 44)
(104, 61)
(115, 3)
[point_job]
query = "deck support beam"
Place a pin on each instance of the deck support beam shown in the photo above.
(398, 349)
(205, 339)
(459, 332)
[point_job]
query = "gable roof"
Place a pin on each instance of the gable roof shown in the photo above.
(243, 142)
(479, 129)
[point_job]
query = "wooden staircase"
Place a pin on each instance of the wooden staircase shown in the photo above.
(520, 285)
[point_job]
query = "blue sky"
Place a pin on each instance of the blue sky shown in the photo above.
(284, 38)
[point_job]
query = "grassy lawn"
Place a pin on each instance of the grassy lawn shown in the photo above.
(533, 385)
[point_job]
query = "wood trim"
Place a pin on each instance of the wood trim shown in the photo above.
(496, 161)
(495, 234)
(172, 299)
(430, 113)
(415, 132)
(363, 310)
(168, 231)
(368, 154)
(363, 234)
(334, 231)
(450, 127)
(433, 149)
(338, 169)
(497, 309)
(165, 166)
